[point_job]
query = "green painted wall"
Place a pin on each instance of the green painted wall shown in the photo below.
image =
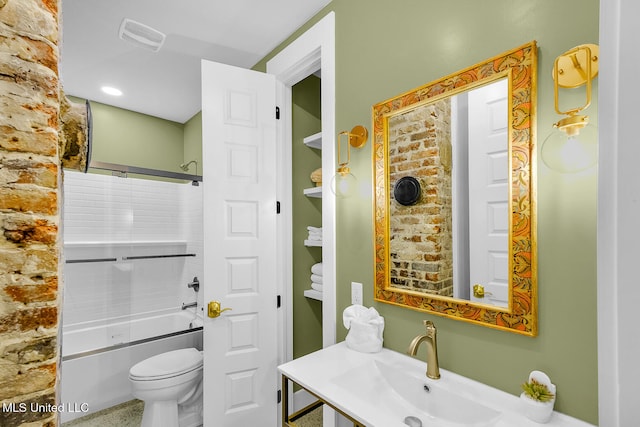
(307, 313)
(384, 48)
(129, 138)
(193, 142)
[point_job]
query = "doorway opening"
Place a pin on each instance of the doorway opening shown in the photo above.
(313, 53)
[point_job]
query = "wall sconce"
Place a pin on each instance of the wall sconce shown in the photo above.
(573, 147)
(344, 183)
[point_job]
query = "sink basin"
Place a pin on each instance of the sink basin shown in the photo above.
(403, 393)
(387, 389)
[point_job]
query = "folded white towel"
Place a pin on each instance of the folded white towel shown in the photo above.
(315, 238)
(316, 279)
(317, 286)
(317, 269)
(315, 229)
(365, 328)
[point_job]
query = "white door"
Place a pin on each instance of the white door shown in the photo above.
(489, 192)
(239, 183)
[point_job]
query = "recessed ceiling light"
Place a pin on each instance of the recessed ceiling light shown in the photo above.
(111, 91)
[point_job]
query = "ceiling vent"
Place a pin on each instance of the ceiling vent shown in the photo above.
(141, 35)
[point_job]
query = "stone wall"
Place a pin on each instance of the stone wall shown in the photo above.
(29, 210)
(421, 251)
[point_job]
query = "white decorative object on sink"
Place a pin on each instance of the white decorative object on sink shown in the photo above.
(386, 388)
(365, 327)
(539, 410)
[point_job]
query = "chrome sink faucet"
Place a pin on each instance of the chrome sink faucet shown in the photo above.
(433, 368)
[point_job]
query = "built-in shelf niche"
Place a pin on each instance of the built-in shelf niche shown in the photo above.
(313, 192)
(313, 141)
(313, 243)
(313, 294)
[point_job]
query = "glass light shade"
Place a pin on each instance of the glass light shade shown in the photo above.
(344, 184)
(571, 152)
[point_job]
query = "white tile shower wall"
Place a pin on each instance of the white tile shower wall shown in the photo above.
(96, 208)
(192, 214)
(106, 216)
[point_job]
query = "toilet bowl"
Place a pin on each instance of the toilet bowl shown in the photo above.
(170, 384)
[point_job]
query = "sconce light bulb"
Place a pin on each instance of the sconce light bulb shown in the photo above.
(344, 184)
(571, 148)
(572, 125)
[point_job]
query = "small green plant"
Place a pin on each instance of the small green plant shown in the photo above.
(537, 391)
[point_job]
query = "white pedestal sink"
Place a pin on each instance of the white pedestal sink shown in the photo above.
(384, 389)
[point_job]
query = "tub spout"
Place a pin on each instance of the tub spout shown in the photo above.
(191, 304)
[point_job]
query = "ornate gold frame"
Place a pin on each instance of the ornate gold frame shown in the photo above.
(520, 66)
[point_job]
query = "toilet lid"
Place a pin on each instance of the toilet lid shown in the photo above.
(169, 364)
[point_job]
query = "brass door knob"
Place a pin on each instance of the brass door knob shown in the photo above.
(214, 310)
(478, 291)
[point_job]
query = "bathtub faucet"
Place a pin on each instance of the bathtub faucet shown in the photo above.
(195, 284)
(191, 304)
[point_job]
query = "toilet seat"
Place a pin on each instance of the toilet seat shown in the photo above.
(167, 365)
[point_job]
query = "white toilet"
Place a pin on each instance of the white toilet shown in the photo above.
(170, 384)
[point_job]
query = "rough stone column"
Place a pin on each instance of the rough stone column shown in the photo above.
(29, 211)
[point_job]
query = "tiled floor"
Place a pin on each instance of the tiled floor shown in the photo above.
(312, 419)
(129, 414)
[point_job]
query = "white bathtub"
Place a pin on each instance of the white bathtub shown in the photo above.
(96, 356)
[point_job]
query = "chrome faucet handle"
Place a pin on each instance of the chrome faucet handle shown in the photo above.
(195, 284)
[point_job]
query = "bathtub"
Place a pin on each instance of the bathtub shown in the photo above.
(96, 356)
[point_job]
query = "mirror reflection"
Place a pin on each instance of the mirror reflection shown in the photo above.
(448, 175)
(455, 226)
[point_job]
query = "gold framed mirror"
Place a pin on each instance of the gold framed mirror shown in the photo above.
(455, 199)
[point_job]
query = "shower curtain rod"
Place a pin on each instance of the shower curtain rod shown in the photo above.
(124, 169)
(127, 258)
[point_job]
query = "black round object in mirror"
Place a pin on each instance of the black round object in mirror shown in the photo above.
(407, 191)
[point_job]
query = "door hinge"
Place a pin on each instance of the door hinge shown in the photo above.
(277, 207)
(279, 396)
(278, 301)
(277, 113)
